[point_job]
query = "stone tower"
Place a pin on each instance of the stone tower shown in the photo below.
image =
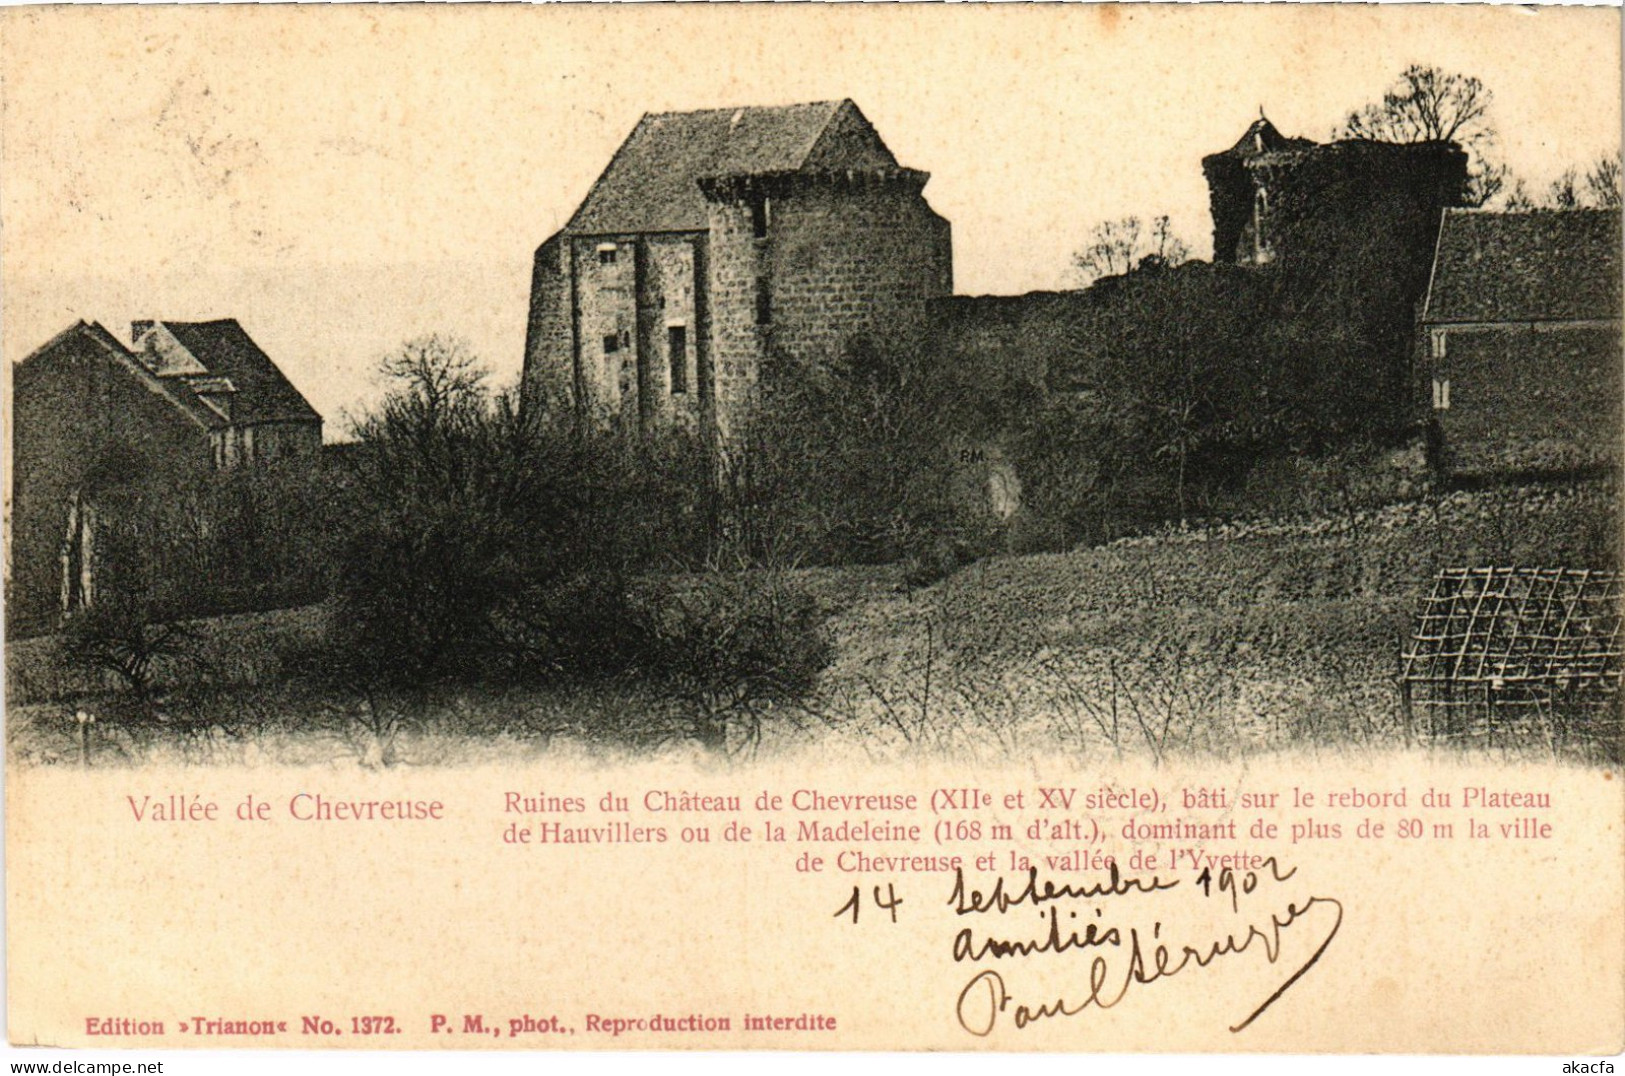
(1274, 197)
(717, 241)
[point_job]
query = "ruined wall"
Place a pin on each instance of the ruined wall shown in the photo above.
(1353, 224)
(606, 338)
(1529, 398)
(1331, 199)
(1315, 202)
(669, 344)
(1028, 339)
(739, 267)
(1230, 204)
(853, 259)
(602, 319)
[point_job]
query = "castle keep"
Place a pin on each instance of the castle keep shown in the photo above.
(718, 242)
(1274, 197)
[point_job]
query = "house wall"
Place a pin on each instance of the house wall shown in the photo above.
(83, 421)
(268, 444)
(1522, 398)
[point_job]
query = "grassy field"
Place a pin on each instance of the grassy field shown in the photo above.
(1224, 640)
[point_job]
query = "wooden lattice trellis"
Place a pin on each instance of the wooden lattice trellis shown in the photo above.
(1507, 650)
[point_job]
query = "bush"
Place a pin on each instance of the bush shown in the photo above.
(120, 638)
(484, 542)
(854, 460)
(733, 649)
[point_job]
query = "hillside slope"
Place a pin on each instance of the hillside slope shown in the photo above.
(1227, 639)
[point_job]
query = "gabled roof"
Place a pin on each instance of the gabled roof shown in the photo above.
(652, 182)
(262, 393)
(176, 390)
(1543, 265)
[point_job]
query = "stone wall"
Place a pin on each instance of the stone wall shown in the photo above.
(843, 256)
(602, 320)
(549, 375)
(739, 262)
(605, 296)
(670, 389)
(268, 443)
(1313, 202)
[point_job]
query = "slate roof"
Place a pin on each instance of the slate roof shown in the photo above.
(263, 393)
(176, 390)
(652, 182)
(1542, 265)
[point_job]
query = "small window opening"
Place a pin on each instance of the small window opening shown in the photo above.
(677, 353)
(761, 215)
(606, 253)
(1441, 394)
(612, 343)
(764, 302)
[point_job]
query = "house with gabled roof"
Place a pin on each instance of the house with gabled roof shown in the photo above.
(96, 422)
(264, 417)
(1521, 325)
(717, 242)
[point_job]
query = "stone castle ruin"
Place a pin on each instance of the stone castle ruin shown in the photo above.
(719, 243)
(1274, 197)
(716, 242)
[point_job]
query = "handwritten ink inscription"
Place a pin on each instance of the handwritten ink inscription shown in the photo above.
(1127, 932)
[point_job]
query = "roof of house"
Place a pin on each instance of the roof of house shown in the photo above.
(262, 393)
(1542, 265)
(652, 182)
(176, 390)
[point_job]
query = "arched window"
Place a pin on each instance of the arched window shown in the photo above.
(1261, 208)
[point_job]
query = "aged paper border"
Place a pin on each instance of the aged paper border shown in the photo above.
(1603, 850)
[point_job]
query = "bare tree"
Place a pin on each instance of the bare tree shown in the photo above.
(432, 375)
(1518, 199)
(1166, 248)
(1565, 191)
(1120, 246)
(1486, 181)
(1427, 104)
(1598, 187)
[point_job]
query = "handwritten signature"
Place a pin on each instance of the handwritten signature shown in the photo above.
(1126, 956)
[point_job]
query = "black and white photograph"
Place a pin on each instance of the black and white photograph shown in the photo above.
(931, 458)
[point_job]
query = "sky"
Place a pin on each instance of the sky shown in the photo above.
(341, 179)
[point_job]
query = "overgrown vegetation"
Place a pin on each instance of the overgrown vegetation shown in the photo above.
(855, 461)
(514, 573)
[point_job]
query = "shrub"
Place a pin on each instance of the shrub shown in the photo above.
(120, 637)
(733, 648)
(853, 460)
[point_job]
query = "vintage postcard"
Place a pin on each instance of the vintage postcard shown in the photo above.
(976, 528)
